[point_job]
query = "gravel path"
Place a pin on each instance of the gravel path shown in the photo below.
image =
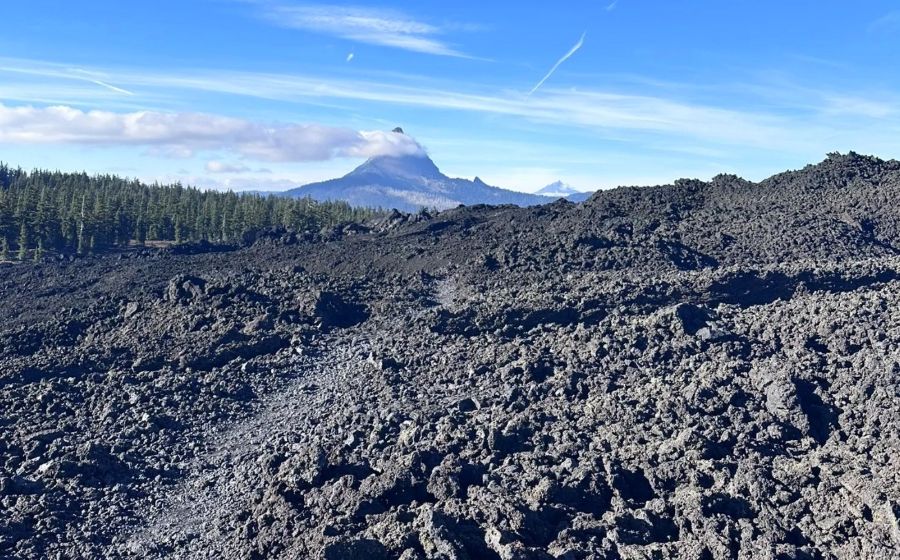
(220, 485)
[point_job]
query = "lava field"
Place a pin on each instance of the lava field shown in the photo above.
(704, 370)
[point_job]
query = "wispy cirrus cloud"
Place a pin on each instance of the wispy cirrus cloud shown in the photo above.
(886, 23)
(601, 111)
(780, 119)
(71, 74)
(858, 106)
(382, 27)
(185, 134)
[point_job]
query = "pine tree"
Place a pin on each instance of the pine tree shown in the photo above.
(140, 232)
(81, 246)
(23, 242)
(178, 237)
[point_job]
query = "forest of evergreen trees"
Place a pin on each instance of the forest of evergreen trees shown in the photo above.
(45, 211)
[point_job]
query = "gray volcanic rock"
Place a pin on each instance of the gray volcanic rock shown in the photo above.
(410, 183)
(699, 370)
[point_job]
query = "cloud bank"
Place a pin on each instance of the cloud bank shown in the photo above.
(184, 134)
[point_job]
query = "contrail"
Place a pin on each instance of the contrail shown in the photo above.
(565, 57)
(89, 77)
(111, 87)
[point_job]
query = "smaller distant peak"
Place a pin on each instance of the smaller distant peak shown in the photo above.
(558, 189)
(398, 130)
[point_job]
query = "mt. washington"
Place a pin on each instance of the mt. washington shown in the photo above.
(409, 183)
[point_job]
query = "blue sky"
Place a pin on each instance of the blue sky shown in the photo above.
(270, 94)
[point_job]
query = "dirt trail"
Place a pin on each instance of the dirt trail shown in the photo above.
(221, 484)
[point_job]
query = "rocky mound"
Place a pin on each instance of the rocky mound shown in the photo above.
(700, 370)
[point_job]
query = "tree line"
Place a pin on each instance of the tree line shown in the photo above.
(44, 211)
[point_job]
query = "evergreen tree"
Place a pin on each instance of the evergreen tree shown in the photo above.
(178, 237)
(81, 223)
(23, 242)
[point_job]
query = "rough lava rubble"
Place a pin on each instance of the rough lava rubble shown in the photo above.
(697, 371)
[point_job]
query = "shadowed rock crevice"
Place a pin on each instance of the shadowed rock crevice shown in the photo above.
(823, 418)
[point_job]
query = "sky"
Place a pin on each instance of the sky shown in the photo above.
(273, 94)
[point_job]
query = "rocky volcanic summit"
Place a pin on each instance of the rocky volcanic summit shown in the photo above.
(411, 183)
(705, 370)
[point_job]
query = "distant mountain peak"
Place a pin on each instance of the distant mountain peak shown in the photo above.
(410, 182)
(398, 130)
(558, 189)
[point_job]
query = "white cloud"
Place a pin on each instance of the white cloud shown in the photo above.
(387, 28)
(216, 166)
(183, 134)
